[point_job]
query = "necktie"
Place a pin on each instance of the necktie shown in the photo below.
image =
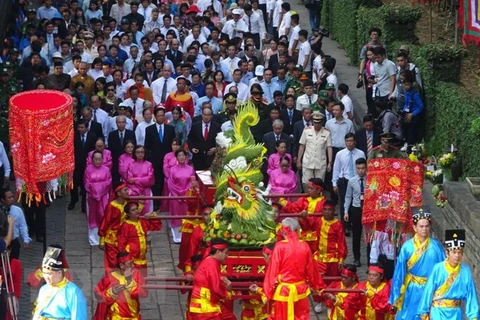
(309, 100)
(278, 137)
(95, 115)
(362, 191)
(290, 116)
(249, 24)
(269, 96)
(205, 132)
(164, 91)
(369, 143)
(232, 66)
(234, 30)
(121, 139)
(351, 170)
(307, 124)
(149, 78)
(160, 133)
(83, 140)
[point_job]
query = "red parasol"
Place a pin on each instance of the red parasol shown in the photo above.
(41, 135)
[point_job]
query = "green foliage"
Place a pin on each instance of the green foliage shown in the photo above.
(443, 61)
(475, 127)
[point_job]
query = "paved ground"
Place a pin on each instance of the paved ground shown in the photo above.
(69, 228)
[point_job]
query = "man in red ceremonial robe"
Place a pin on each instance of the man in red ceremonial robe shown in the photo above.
(181, 98)
(209, 287)
(308, 205)
(112, 220)
(196, 239)
(289, 274)
(344, 305)
(375, 304)
(119, 292)
(331, 247)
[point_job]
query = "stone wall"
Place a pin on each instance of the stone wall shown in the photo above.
(461, 212)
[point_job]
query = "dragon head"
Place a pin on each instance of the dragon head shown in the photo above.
(241, 196)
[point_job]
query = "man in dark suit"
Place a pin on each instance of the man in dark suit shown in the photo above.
(274, 60)
(158, 142)
(367, 137)
(290, 115)
(201, 140)
(93, 126)
(116, 142)
(173, 54)
(149, 74)
(266, 125)
(298, 127)
(269, 139)
(83, 143)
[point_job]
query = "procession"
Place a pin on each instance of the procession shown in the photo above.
(224, 127)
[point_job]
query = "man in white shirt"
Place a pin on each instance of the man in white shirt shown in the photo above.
(194, 36)
(344, 170)
(121, 112)
(134, 102)
(242, 88)
(120, 10)
(4, 166)
(275, 16)
(163, 86)
(229, 64)
(235, 27)
(80, 45)
(131, 62)
(308, 99)
(345, 99)
(304, 51)
(147, 121)
(293, 37)
(255, 24)
(146, 9)
(167, 26)
(385, 74)
(284, 29)
(317, 63)
(98, 114)
(153, 23)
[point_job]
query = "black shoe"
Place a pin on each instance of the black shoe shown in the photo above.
(357, 263)
(40, 239)
(71, 206)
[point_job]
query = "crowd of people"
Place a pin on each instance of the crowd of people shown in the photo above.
(153, 84)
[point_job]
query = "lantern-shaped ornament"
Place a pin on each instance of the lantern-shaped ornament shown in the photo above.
(41, 136)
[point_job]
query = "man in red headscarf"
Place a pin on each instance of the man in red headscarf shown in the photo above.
(290, 275)
(196, 245)
(306, 206)
(375, 304)
(209, 287)
(119, 292)
(112, 220)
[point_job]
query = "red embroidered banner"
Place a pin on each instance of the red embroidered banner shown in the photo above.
(393, 186)
(41, 136)
(469, 20)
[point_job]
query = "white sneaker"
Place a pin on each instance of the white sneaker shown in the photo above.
(319, 308)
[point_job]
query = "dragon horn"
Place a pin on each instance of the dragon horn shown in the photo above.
(232, 172)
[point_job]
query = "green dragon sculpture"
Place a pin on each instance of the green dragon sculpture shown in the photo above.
(242, 214)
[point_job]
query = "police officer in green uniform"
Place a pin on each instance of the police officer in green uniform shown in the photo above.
(13, 63)
(295, 81)
(8, 88)
(385, 149)
(31, 21)
(230, 102)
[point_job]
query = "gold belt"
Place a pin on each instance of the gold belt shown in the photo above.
(418, 280)
(447, 303)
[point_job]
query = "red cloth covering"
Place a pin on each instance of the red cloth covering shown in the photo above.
(347, 305)
(127, 304)
(375, 304)
(393, 186)
(468, 20)
(41, 136)
(195, 246)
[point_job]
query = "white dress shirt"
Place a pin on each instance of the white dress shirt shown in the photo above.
(101, 117)
(164, 31)
(347, 102)
(303, 101)
(146, 12)
(140, 131)
(231, 27)
(4, 161)
(292, 37)
(257, 25)
(317, 68)
(382, 244)
(304, 50)
(277, 9)
(157, 88)
(137, 107)
(118, 12)
(149, 25)
(95, 74)
(113, 125)
(242, 90)
(341, 165)
(282, 30)
(189, 39)
(228, 65)
(269, 89)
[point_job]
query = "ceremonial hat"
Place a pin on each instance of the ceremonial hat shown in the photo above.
(259, 71)
(386, 136)
(230, 97)
(455, 239)
(330, 86)
(88, 34)
(122, 106)
(236, 11)
(317, 117)
(419, 213)
(304, 77)
(323, 95)
(298, 67)
(54, 258)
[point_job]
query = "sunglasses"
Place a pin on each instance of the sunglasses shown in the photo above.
(112, 90)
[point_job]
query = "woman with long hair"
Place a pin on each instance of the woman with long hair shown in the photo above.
(100, 87)
(181, 177)
(110, 100)
(79, 17)
(98, 187)
(220, 84)
(180, 125)
(140, 178)
(93, 12)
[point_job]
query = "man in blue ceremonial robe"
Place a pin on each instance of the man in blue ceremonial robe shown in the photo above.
(414, 266)
(58, 298)
(450, 284)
